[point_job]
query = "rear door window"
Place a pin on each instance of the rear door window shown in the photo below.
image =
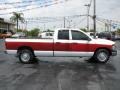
(63, 34)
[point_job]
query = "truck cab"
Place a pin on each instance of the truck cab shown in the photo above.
(71, 42)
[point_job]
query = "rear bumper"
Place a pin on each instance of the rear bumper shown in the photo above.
(5, 52)
(13, 52)
(10, 53)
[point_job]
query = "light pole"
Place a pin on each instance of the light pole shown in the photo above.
(69, 23)
(110, 25)
(94, 18)
(64, 22)
(88, 10)
(25, 25)
(44, 26)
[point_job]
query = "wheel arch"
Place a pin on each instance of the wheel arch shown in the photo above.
(25, 47)
(103, 48)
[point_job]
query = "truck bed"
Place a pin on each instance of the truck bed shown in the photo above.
(35, 44)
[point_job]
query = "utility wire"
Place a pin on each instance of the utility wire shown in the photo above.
(82, 20)
(108, 20)
(48, 19)
(61, 17)
(100, 22)
(90, 4)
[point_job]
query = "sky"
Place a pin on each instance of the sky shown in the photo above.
(59, 8)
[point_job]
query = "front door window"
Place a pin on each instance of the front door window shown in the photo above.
(76, 35)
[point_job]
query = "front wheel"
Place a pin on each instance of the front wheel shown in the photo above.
(101, 55)
(25, 56)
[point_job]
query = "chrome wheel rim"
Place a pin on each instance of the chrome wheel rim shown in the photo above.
(102, 56)
(25, 57)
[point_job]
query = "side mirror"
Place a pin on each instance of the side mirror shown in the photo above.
(86, 38)
(89, 39)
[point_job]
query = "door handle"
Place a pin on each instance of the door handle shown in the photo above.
(74, 43)
(57, 42)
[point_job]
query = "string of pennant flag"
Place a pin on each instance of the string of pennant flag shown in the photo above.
(26, 5)
(11, 3)
(38, 5)
(28, 1)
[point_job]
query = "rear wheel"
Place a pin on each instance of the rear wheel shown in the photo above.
(101, 55)
(25, 56)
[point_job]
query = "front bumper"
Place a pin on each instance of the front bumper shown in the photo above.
(114, 52)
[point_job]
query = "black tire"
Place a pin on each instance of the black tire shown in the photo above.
(101, 56)
(25, 56)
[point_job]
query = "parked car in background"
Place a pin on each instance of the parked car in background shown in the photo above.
(117, 37)
(5, 35)
(46, 35)
(92, 34)
(18, 35)
(106, 35)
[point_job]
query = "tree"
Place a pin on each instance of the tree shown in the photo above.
(34, 32)
(92, 30)
(83, 29)
(16, 18)
(118, 31)
(48, 30)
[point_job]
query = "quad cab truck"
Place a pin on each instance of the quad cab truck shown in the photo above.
(65, 43)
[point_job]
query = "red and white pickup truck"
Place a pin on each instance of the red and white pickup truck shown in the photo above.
(65, 43)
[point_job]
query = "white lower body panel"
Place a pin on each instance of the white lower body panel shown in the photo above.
(73, 54)
(63, 53)
(43, 53)
(56, 53)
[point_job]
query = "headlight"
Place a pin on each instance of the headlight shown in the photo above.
(113, 47)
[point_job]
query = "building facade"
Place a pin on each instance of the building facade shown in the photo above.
(6, 26)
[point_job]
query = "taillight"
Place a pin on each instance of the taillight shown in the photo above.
(5, 43)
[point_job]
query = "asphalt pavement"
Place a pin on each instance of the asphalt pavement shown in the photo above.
(58, 73)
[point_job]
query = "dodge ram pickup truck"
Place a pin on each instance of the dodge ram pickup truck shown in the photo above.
(65, 43)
